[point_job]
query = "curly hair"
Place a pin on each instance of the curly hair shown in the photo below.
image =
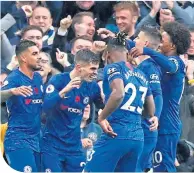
(180, 36)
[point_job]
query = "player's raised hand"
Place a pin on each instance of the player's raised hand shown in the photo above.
(136, 51)
(66, 22)
(106, 127)
(74, 83)
(27, 10)
(105, 33)
(62, 58)
(154, 123)
(98, 46)
(23, 91)
(86, 143)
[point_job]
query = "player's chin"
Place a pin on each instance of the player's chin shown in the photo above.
(37, 68)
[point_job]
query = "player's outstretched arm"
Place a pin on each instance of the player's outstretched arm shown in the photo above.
(19, 91)
(168, 64)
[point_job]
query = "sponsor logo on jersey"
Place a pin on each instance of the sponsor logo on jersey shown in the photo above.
(69, 109)
(33, 101)
(111, 70)
(154, 77)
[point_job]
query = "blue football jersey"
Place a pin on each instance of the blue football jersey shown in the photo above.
(24, 112)
(172, 89)
(153, 74)
(126, 120)
(62, 132)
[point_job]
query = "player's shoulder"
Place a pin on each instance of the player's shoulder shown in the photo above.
(178, 62)
(58, 78)
(14, 76)
(113, 67)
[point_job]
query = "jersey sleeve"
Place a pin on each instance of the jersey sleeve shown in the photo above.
(169, 64)
(112, 72)
(52, 93)
(9, 83)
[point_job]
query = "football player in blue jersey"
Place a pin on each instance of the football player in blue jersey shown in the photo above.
(23, 91)
(150, 37)
(125, 89)
(175, 41)
(66, 97)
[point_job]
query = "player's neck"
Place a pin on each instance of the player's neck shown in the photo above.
(74, 74)
(143, 58)
(26, 71)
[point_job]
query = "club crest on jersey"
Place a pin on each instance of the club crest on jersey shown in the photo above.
(27, 169)
(5, 83)
(50, 89)
(86, 100)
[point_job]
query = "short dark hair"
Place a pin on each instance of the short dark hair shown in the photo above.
(83, 37)
(180, 36)
(86, 56)
(23, 45)
(79, 17)
(154, 35)
(118, 43)
(30, 27)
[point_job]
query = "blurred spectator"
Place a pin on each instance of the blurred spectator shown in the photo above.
(187, 102)
(169, 11)
(21, 11)
(41, 17)
(33, 33)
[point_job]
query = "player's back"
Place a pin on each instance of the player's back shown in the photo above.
(126, 120)
(172, 89)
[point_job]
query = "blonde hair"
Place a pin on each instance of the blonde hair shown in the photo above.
(131, 6)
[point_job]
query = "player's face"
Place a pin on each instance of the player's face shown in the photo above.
(88, 72)
(124, 20)
(191, 49)
(81, 44)
(45, 65)
(32, 58)
(166, 43)
(141, 39)
(41, 17)
(35, 36)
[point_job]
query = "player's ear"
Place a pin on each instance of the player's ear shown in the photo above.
(22, 58)
(78, 67)
(146, 43)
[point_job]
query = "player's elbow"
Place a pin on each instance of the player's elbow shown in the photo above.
(119, 95)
